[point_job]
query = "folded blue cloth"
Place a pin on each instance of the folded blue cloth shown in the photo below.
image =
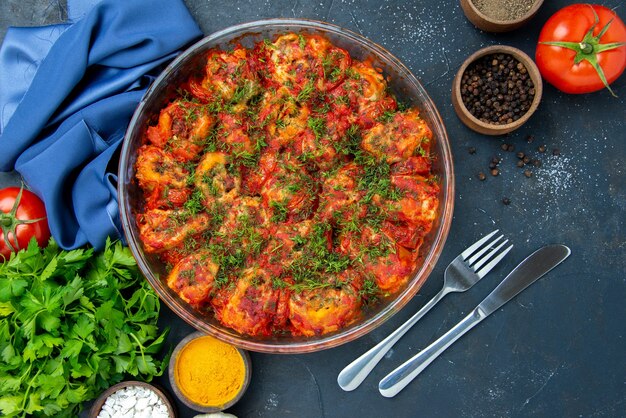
(64, 109)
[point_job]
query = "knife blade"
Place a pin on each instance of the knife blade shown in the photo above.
(526, 273)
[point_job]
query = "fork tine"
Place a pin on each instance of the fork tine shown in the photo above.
(482, 251)
(477, 245)
(481, 273)
(486, 258)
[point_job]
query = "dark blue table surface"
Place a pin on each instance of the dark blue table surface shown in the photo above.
(559, 348)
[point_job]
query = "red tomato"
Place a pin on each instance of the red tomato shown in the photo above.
(22, 216)
(582, 48)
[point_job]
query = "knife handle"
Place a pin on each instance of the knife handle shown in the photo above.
(395, 381)
(353, 374)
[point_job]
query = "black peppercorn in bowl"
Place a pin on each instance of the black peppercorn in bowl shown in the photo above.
(496, 90)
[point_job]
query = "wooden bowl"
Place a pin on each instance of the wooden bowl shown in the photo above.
(488, 24)
(488, 128)
(97, 405)
(189, 402)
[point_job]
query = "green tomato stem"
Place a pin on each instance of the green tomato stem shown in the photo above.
(6, 221)
(586, 48)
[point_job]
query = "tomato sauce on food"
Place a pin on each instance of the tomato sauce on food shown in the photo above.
(285, 188)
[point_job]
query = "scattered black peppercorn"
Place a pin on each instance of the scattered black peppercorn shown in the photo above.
(481, 176)
(511, 148)
(530, 139)
(528, 173)
(497, 89)
(504, 147)
(506, 201)
(541, 148)
(520, 164)
(495, 172)
(536, 163)
(556, 152)
(471, 150)
(520, 155)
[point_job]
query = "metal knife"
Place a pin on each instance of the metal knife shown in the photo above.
(526, 273)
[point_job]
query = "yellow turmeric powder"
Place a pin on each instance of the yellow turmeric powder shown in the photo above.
(209, 372)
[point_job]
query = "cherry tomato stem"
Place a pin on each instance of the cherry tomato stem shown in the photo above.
(22, 217)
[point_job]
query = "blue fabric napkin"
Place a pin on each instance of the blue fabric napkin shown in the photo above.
(64, 108)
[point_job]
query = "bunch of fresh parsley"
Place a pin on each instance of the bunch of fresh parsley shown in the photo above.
(72, 323)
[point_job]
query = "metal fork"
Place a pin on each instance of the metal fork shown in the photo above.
(460, 275)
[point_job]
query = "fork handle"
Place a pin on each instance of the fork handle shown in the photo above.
(354, 373)
(395, 381)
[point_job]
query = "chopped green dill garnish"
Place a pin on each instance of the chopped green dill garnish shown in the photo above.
(350, 72)
(299, 240)
(348, 222)
(387, 116)
(207, 179)
(306, 92)
(191, 177)
(268, 44)
(280, 211)
(349, 144)
(256, 99)
(247, 158)
(376, 179)
(280, 124)
(191, 113)
(318, 126)
(434, 179)
(185, 96)
(190, 243)
(306, 156)
(317, 259)
(221, 279)
(278, 283)
(194, 204)
(260, 143)
(242, 93)
(232, 247)
(369, 291)
(324, 108)
(309, 284)
(211, 141)
(335, 74)
(302, 41)
(343, 99)
(374, 252)
(215, 106)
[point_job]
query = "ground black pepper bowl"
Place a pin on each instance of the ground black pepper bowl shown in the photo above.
(487, 128)
(489, 24)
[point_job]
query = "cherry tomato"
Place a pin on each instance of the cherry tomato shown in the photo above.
(22, 217)
(582, 48)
